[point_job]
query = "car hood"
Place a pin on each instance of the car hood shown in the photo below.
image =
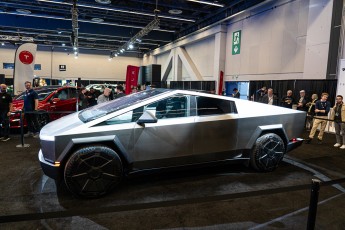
(60, 126)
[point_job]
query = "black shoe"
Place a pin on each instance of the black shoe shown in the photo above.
(6, 139)
(319, 142)
(308, 140)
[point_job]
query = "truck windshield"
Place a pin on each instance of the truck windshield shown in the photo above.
(103, 109)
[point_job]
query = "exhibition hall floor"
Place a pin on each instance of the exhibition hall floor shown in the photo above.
(222, 197)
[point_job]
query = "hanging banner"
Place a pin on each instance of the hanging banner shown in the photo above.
(220, 83)
(24, 63)
(131, 78)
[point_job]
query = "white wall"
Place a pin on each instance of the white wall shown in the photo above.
(87, 66)
(318, 37)
(272, 42)
(281, 39)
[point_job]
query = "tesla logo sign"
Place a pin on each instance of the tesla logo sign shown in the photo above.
(26, 57)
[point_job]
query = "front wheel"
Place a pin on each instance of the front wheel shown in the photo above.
(93, 171)
(268, 151)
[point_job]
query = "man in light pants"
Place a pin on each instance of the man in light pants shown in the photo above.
(322, 108)
(338, 115)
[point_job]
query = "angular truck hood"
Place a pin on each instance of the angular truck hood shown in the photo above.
(60, 126)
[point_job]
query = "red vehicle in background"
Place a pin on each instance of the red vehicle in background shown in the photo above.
(51, 99)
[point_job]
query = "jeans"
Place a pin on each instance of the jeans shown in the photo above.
(340, 132)
(5, 124)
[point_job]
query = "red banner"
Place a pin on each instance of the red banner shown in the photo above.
(131, 78)
(220, 83)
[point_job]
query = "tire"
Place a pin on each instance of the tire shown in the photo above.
(93, 171)
(43, 119)
(268, 151)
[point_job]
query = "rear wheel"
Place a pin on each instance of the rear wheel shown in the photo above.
(268, 151)
(93, 171)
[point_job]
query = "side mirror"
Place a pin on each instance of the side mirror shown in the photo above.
(55, 100)
(147, 117)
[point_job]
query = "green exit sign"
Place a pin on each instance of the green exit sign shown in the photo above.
(236, 42)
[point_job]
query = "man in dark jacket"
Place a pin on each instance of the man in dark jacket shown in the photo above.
(288, 100)
(5, 112)
(302, 102)
(119, 91)
(236, 93)
(270, 98)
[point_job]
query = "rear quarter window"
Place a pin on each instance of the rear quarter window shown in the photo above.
(214, 106)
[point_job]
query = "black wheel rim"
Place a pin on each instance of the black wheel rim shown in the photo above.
(94, 174)
(271, 153)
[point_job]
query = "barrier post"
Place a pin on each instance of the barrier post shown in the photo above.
(314, 197)
(22, 145)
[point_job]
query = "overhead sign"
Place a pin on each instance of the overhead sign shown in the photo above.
(236, 42)
(62, 67)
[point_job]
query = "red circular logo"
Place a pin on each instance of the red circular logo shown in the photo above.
(26, 57)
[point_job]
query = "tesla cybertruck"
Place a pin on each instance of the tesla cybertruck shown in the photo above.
(92, 150)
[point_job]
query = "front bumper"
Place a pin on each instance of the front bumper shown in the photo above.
(51, 170)
(294, 144)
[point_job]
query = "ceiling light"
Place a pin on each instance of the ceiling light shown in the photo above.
(130, 46)
(103, 1)
(2, 43)
(59, 32)
(175, 11)
(207, 3)
(97, 19)
(23, 11)
(63, 44)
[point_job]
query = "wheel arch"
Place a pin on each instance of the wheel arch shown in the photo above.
(111, 141)
(260, 130)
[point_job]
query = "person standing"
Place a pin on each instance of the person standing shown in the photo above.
(311, 111)
(236, 93)
(30, 107)
(270, 98)
(322, 108)
(302, 102)
(82, 99)
(92, 96)
(119, 92)
(288, 100)
(104, 97)
(5, 112)
(260, 93)
(338, 117)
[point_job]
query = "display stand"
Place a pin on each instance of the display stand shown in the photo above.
(22, 145)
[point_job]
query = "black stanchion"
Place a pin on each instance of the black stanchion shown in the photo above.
(22, 145)
(314, 197)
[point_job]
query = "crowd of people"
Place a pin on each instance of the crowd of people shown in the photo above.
(319, 112)
(93, 97)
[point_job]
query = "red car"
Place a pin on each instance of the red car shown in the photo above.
(51, 98)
